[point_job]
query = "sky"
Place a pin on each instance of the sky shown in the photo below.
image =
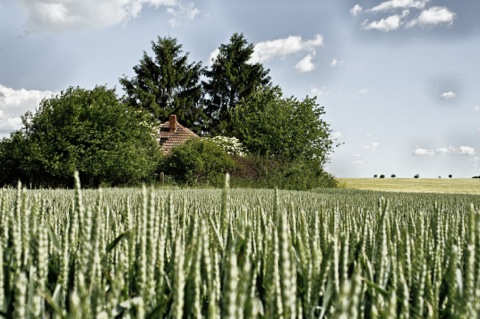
(398, 79)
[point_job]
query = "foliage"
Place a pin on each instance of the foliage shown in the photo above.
(133, 253)
(12, 159)
(198, 162)
(167, 84)
(231, 78)
(231, 145)
(85, 130)
(270, 125)
(261, 172)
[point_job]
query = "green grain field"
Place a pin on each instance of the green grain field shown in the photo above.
(238, 253)
(414, 185)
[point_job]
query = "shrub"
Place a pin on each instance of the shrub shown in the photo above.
(198, 162)
(382, 176)
(262, 172)
(231, 145)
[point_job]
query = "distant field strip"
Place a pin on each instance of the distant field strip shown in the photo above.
(421, 185)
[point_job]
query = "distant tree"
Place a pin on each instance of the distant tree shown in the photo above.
(85, 130)
(270, 125)
(417, 176)
(382, 176)
(230, 79)
(167, 84)
(450, 176)
(375, 176)
(393, 176)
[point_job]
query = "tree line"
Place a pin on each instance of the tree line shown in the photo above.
(112, 139)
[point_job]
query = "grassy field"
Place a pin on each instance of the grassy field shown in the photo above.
(421, 185)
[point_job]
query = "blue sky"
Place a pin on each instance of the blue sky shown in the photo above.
(398, 78)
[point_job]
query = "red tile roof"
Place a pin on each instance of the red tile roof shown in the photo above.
(170, 137)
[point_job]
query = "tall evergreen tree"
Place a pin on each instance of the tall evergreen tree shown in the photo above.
(230, 79)
(167, 84)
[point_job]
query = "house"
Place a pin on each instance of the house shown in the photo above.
(172, 134)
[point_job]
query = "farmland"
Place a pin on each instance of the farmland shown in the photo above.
(238, 253)
(414, 185)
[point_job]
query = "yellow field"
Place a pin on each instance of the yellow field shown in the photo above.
(421, 185)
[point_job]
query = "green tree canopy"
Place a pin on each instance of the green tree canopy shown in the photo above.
(85, 130)
(167, 84)
(231, 78)
(269, 124)
(199, 161)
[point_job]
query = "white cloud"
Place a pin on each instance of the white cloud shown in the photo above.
(323, 91)
(399, 4)
(388, 24)
(182, 13)
(336, 63)
(14, 103)
(465, 150)
(434, 16)
(395, 14)
(448, 96)
(356, 10)
(476, 108)
(268, 50)
(305, 64)
(449, 150)
(422, 151)
(363, 91)
(372, 146)
(55, 15)
(336, 135)
(358, 162)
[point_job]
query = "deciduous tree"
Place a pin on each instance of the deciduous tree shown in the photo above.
(85, 130)
(271, 125)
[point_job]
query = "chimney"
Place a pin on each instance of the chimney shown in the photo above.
(173, 123)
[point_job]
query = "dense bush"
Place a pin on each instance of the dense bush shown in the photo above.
(263, 172)
(202, 162)
(198, 162)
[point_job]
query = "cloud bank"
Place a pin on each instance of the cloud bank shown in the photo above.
(281, 48)
(449, 150)
(14, 103)
(54, 15)
(392, 15)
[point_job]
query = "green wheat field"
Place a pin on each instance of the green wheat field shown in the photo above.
(239, 253)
